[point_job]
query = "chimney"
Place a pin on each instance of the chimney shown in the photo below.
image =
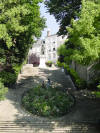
(48, 32)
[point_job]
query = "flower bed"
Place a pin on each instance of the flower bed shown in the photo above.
(47, 102)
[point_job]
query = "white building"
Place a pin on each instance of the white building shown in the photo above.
(47, 48)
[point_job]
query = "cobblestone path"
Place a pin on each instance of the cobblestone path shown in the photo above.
(14, 119)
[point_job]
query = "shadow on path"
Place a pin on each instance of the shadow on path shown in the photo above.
(80, 118)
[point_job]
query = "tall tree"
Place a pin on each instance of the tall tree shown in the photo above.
(63, 11)
(83, 44)
(20, 23)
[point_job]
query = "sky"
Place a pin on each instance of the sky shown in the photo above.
(51, 23)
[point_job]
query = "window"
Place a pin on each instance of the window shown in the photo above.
(42, 50)
(49, 56)
(54, 49)
(49, 49)
(54, 55)
(63, 36)
(44, 41)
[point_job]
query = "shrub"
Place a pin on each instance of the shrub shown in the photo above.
(36, 63)
(34, 59)
(98, 86)
(79, 83)
(49, 63)
(96, 89)
(47, 102)
(95, 83)
(59, 64)
(17, 68)
(3, 90)
(8, 78)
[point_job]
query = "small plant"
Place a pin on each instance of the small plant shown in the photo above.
(49, 63)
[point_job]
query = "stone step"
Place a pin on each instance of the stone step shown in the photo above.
(45, 127)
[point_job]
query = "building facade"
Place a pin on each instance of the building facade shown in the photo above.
(47, 48)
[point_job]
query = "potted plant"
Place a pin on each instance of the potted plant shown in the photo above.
(49, 63)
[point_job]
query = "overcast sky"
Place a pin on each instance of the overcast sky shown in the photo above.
(50, 23)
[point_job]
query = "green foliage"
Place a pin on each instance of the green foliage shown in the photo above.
(17, 69)
(94, 84)
(3, 91)
(79, 83)
(47, 102)
(83, 44)
(96, 93)
(20, 23)
(8, 78)
(63, 11)
(59, 64)
(49, 63)
(61, 50)
(98, 86)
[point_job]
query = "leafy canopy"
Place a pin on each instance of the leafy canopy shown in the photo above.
(63, 11)
(83, 44)
(20, 23)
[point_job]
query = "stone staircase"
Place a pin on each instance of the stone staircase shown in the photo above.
(46, 127)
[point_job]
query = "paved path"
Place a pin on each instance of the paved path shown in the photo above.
(13, 117)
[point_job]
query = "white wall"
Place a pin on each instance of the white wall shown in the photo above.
(49, 43)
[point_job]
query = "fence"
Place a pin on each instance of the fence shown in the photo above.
(85, 72)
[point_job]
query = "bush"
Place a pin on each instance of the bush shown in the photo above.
(79, 83)
(8, 78)
(47, 102)
(36, 64)
(34, 59)
(95, 83)
(98, 86)
(59, 64)
(49, 63)
(17, 68)
(3, 90)
(96, 89)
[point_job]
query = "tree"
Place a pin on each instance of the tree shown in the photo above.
(63, 11)
(34, 59)
(20, 23)
(83, 44)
